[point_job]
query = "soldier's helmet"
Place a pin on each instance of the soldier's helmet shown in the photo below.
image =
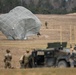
(27, 51)
(8, 51)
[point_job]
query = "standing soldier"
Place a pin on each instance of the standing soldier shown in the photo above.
(46, 25)
(7, 59)
(71, 49)
(24, 61)
(71, 56)
(75, 47)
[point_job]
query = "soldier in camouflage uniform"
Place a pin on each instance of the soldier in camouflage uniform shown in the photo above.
(24, 60)
(46, 25)
(75, 48)
(71, 56)
(7, 59)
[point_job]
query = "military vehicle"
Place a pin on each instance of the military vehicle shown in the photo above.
(53, 57)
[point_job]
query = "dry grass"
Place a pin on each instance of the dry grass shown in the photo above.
(40, 71)
(58, 30)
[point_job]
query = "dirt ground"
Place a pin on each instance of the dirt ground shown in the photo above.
(60, 28)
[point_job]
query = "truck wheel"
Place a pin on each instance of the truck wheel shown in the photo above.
(62, 64)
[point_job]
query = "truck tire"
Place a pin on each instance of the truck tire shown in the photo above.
(62, 64)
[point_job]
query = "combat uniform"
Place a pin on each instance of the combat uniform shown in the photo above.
(46, 25)
(24, 60)
(7, 60)
(71, 57)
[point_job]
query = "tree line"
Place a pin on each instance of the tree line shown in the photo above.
(7, 5)
(41, 8)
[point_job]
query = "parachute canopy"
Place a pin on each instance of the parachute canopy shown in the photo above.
(19, 23)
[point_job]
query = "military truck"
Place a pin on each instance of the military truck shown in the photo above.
(53, 57)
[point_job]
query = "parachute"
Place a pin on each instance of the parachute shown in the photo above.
(19, 23)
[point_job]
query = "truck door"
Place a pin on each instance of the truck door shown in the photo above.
(49, 58)
(40, 58)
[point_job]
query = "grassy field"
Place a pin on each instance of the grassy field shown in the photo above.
(60, 28)
(40, 71)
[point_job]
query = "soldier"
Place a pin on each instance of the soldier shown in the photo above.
(75, 48)
(24, 61)
(7, 59)
(71, 49)
(71, 56)
(38, 34)
(46, 25)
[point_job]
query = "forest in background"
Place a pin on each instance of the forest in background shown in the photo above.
(40, 6)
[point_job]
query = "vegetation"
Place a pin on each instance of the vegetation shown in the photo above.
(73, 9)
(6, 5)
(43, 7)
(40, 71)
